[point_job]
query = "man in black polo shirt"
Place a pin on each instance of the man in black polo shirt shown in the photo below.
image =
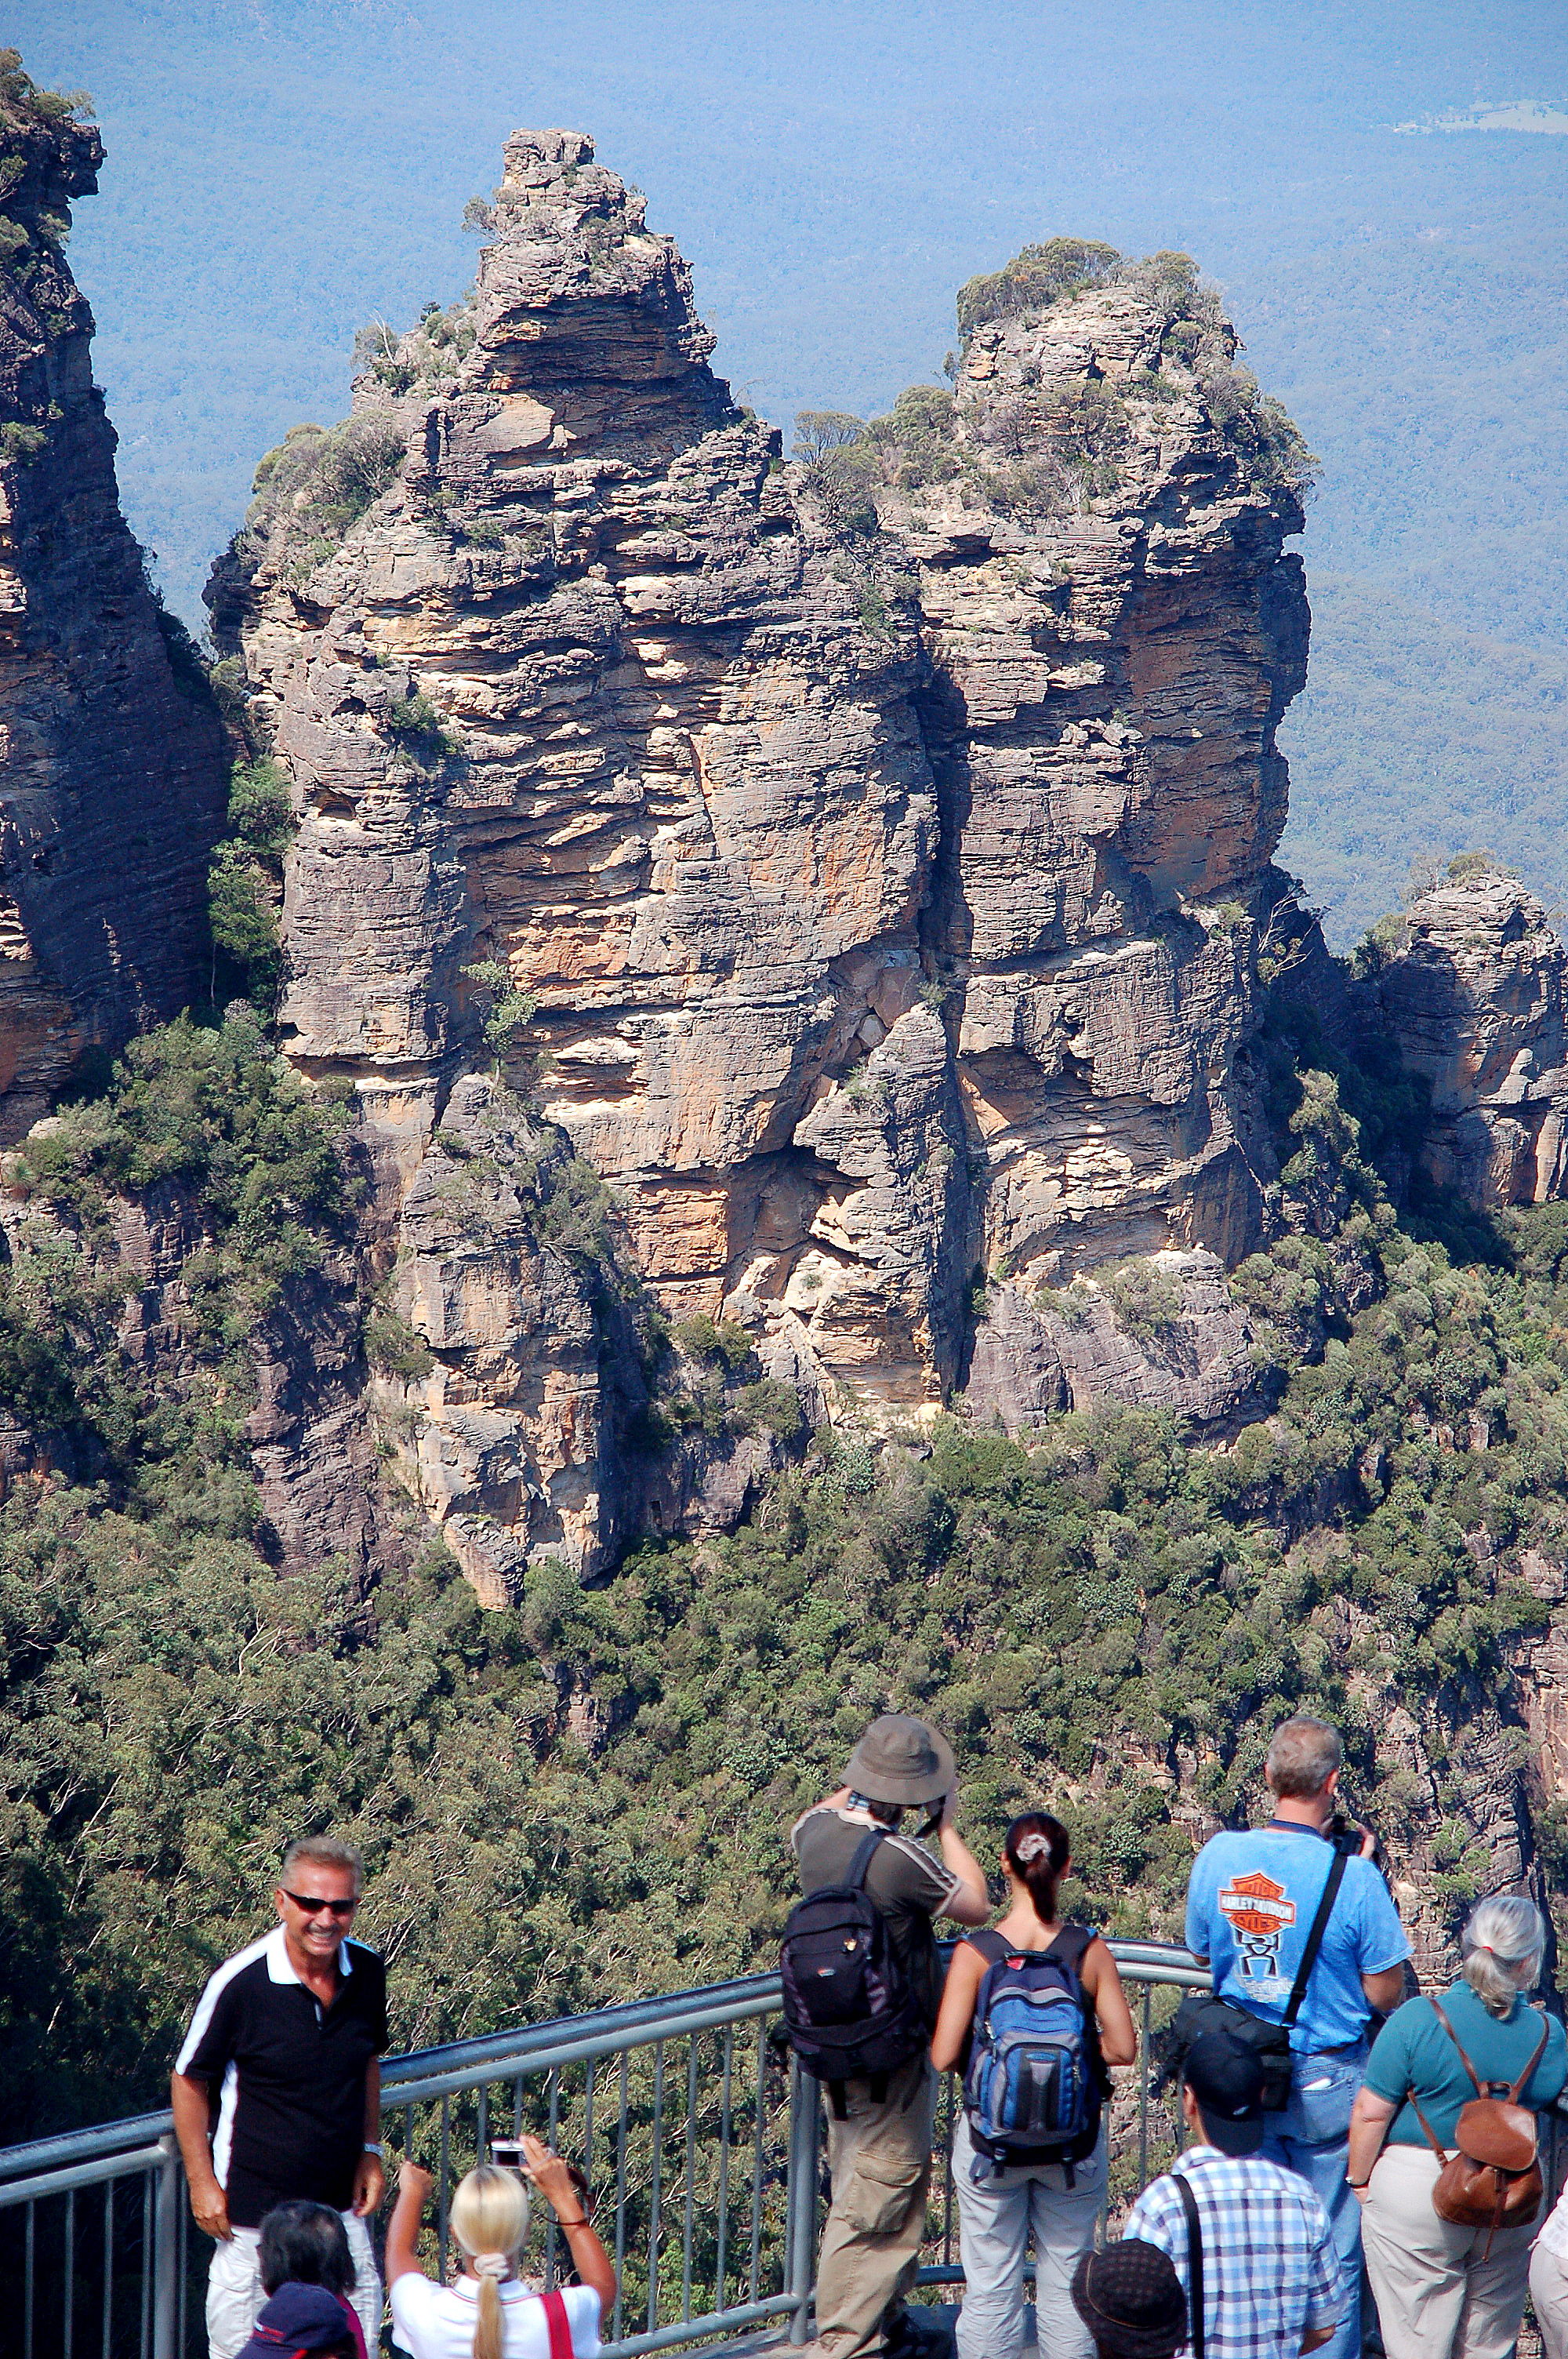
(287, 2039)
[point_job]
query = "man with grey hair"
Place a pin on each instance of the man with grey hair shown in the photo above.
(1251, 1904)
(276, 2093)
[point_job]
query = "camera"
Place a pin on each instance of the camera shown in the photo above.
(1347, 1836)
(507, 2154)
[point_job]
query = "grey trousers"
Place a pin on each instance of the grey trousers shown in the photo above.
(999, 2219)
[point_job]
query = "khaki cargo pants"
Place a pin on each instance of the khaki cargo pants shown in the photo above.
(881, 2164)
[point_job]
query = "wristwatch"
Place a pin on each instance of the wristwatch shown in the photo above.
(376, 2150)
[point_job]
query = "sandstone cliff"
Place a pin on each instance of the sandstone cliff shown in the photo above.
(865, 892)
(111, 775)
(1472, 990)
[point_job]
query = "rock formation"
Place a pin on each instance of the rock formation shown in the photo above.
(1473, 990)
(864, 890)
(112, 773)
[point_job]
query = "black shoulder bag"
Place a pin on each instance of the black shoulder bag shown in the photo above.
(1195, 2264)
(1270, 2042)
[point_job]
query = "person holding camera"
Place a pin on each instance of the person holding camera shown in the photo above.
(493, 2311)
(1254, 1902)
(850, 1853)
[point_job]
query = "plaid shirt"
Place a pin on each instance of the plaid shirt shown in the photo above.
(1270, 2271)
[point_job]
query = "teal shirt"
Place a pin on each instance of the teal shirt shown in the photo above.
(1413, 2051)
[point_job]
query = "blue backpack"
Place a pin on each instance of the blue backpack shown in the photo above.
(1035, 2081)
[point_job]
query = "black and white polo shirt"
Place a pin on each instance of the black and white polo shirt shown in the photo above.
(291, 2076)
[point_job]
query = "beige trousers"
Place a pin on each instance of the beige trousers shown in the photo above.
(1437, 2298)
(881, 2164)
(1549, 2292)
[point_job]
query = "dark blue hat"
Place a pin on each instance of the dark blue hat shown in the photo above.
(299, 2317)
(1227, 2082)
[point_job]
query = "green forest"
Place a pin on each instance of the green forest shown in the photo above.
(1108, 1620)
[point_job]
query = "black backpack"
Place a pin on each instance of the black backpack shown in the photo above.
(848, 2006)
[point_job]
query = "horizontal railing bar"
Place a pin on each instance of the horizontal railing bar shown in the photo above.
(39, 2154)
(762, 1989)
(578, 2050)
(717, 2321)
(538, 2047)
(83, 2174)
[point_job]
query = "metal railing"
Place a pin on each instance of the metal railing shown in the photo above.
(686, 2106)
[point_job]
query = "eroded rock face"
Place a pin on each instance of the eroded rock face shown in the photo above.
(111, 775)
(873, 896)
(1474, 995)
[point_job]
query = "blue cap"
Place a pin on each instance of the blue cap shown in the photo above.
(299, 2317)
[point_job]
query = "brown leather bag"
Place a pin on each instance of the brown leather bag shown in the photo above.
(1494, 2180)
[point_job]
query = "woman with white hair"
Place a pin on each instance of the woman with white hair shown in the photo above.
(1445, 2291)
(492, 2311)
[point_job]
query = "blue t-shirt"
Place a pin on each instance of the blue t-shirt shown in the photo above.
(1250, 1905)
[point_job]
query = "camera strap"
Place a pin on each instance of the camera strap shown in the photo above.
(1314, 1939)
(1195, 2263)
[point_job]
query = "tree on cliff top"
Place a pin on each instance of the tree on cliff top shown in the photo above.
(1038, 275)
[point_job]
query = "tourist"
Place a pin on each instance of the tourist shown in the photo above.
(1251, 1906)
(1131, 2300)
(878, 2127)
(287, 2036)
(1446, 2291)
(1272, 2285)
(1054, 2202)
(493, 2311)
(306, 2244)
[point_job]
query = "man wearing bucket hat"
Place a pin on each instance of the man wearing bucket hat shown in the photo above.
(879, 2125)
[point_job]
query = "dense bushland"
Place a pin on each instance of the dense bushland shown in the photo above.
(1109, 1620)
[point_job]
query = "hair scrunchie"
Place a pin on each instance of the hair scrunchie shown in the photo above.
(491, 2264)
(1031, 1846)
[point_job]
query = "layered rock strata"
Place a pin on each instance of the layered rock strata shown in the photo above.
(1473, 990)
(867, 898)
(113, 778)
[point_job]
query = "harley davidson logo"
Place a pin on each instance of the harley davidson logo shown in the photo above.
(1259, 1911)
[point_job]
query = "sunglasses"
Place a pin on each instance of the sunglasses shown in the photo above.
(312, 1908)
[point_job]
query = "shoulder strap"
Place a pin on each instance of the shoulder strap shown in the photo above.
(1073, 1944)
(1426, 2125)
(1195, 2264)
(1315, 1938)
(993, 1949)
(1527, 2074)
(860, 1866)
(1438, 2010)
(559, 2324)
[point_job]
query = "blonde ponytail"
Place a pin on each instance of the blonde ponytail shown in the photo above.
(490, 2335)
(489, 2220)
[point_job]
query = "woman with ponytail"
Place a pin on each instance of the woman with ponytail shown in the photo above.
(1056, 2205)
(493, 2311)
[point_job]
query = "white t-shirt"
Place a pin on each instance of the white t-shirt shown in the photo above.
(435, 2321)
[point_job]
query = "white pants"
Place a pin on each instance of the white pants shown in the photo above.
(1549, 2292)
(236, 2294)
(1437, 2297)
(998, 2218)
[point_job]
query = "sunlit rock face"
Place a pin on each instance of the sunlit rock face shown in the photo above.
(1474, 989)
(872, 897)
(111, 775)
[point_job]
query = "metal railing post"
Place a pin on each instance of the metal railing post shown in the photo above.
(166, 2255)
(805, 2165)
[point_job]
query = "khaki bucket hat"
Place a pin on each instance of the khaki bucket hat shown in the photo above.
(900, 1759)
